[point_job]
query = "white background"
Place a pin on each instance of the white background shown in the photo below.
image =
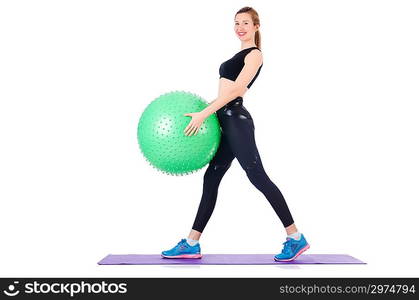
(336, 115)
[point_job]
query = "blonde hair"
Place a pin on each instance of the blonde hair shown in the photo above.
(255, 18)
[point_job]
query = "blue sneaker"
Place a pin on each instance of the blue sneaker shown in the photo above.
(183, 250)
(292, 249)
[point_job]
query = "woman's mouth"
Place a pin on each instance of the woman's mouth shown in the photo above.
(241, 33)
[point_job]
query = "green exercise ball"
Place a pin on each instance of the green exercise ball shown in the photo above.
(163, 142)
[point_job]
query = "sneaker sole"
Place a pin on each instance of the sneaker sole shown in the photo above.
(184, 256)
(295, 256)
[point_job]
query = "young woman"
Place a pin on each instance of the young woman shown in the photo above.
(237, 141)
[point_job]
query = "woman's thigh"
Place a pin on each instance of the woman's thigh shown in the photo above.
(224, 155)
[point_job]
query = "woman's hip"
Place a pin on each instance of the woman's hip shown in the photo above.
(235, 120)
(234, 110)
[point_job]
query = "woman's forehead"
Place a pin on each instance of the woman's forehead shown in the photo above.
(243, 17)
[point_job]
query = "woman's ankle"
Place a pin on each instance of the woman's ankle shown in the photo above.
(191, 242)
(194, 235)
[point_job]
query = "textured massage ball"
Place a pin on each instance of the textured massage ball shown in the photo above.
(163, 142)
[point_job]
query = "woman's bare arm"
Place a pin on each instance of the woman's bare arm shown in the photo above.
(252, 62)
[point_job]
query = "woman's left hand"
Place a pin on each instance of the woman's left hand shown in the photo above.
(193, 127)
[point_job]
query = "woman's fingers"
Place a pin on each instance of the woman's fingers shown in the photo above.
(193, 126)
(188, 131)
(197, 129)
(187, 128)
(191, 129)
(194, 130)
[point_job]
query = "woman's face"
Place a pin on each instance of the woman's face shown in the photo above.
(244, 28)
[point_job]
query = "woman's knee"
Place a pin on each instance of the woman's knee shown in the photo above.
(217, 169)
(256, 174)
(251, 165)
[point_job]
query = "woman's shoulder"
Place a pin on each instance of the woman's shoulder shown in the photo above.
(254, 54)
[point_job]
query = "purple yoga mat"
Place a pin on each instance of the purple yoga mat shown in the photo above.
(226, 259)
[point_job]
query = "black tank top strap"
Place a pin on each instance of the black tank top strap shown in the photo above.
(249, 49)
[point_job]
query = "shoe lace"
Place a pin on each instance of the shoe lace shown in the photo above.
(182, 242)
(287, 246)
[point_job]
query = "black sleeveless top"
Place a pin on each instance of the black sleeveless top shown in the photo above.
(231, 68)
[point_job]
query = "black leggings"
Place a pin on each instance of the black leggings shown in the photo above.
(238, 140)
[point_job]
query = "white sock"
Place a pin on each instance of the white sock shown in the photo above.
(192, 242)
(295, 235)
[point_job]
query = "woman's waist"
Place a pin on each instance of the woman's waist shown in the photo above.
(235, 102)
(234, 108)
